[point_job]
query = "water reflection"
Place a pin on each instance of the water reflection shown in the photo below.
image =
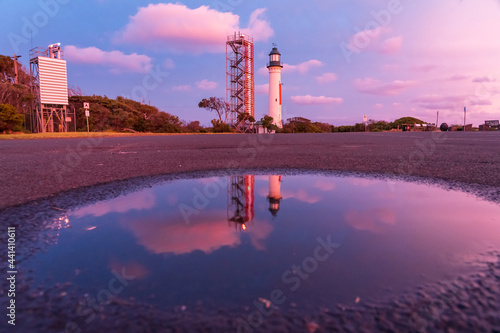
(274, 196)
(241, 198)
(389, 239)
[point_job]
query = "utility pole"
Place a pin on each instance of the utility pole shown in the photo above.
(465, 115)
(437, 120)
(15, 67)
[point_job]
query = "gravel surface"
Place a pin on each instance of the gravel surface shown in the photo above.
(39, 178)
(31, 169)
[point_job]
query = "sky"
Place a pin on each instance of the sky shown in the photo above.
(343, 59)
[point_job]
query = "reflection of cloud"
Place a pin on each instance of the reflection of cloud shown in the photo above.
(206, 234)
(370, 220)
(172, 199)
(362, 182)
(324, 185)
(301, 195)
(258, 232)
(138, 201)
(133, 268)
(167, 236)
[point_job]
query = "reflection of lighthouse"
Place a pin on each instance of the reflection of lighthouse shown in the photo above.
(275, 86)
(274, 194)
(240, 204)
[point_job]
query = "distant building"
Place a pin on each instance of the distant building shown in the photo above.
(490, 125)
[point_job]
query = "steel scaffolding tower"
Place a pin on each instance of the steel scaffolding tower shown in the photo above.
(240, 73)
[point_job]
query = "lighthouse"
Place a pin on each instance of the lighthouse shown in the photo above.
(275, 67)
(274, 196)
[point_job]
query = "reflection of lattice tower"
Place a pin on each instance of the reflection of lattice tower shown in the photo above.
(240, 199)
(50, 88)
(240, 73)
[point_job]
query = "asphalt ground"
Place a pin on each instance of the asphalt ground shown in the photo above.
(34, 169)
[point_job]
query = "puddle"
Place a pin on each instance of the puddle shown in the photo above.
(287, 241)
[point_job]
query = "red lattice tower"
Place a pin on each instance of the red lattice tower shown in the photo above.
(240, 74)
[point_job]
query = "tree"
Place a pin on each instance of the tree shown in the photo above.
(220, 126)
(405, 120)
(17, 95)
(10, 120)
(377, 126)
(216, 104)
(244, 116)
(163, 122)
(267, 122)
(194, 127)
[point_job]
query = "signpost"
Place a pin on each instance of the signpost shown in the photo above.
(87, 114)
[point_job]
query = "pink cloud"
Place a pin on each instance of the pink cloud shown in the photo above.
(135, 201)
(327, 78)
(423, 68)
(372, 40)
(374, 220)
(325, 185)
(375, 87)
(116, 60)
(303, 67)
(391, 67)
(483, 79)
(181, 29)
(262, 88)
(311, 100)
(365, 39)
(258, 28)
(182, 88)
(449, 102)
(391, 45)
(206, 85)
(301, 195)
(169, 64)
(171, 236)
(459, 77)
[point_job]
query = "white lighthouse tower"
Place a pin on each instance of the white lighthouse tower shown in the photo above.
(275, 67)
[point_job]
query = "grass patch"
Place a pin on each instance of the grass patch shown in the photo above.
(36, 136)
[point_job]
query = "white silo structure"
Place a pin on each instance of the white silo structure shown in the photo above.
(49, 85)
(275, 67)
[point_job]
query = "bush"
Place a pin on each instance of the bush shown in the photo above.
(10, 120)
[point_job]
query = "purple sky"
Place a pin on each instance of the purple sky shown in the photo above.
(343, 58)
